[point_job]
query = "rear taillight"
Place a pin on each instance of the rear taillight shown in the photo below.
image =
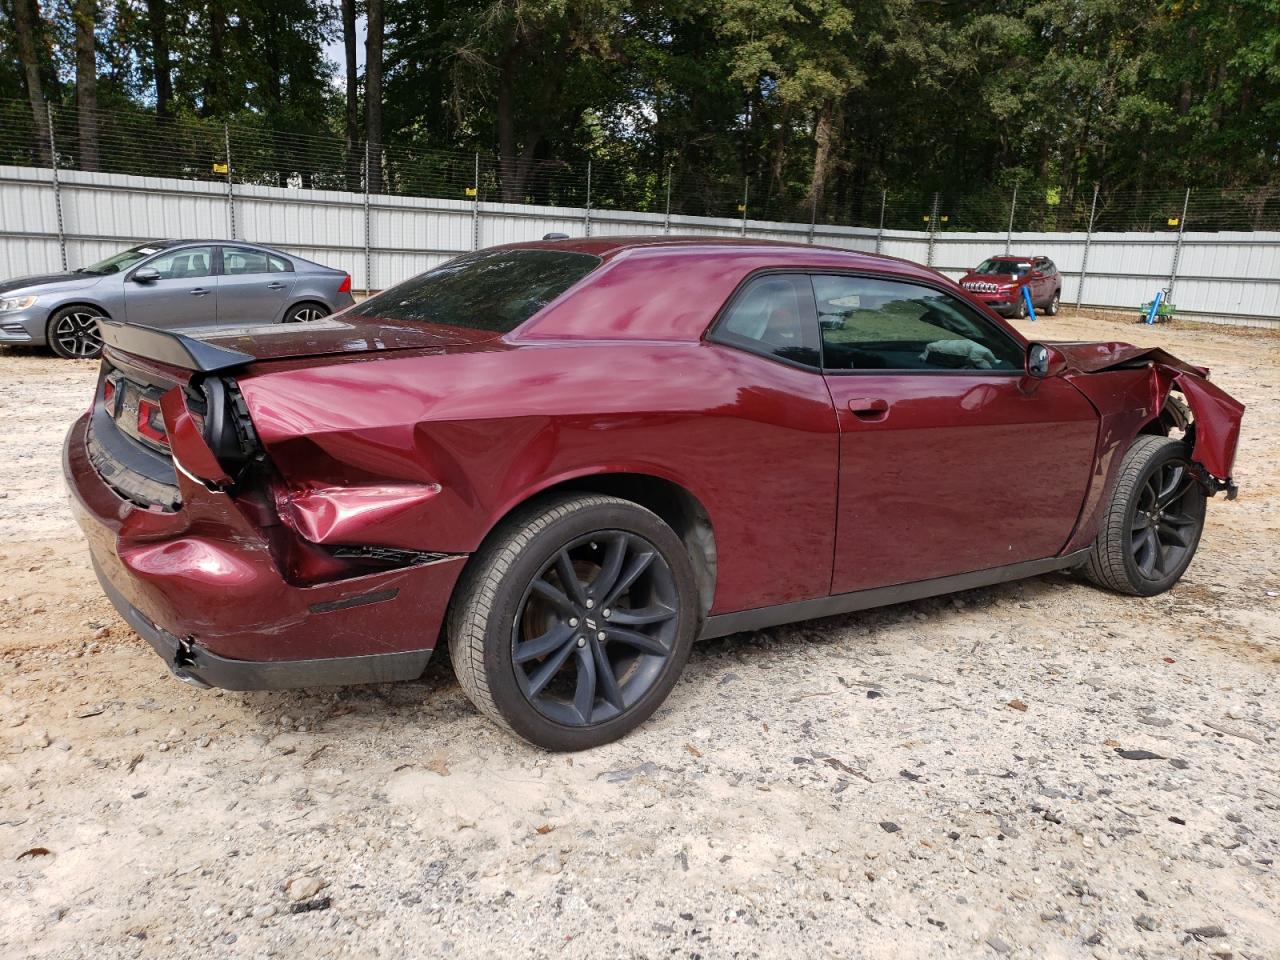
(151, 422)
(108, 393)
(345, 286)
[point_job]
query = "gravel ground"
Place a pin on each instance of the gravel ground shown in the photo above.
(937, 778)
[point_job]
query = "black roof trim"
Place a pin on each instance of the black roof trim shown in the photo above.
(167, 346)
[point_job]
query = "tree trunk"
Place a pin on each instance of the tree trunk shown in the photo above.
(373, 93)
(353, 94)
(508, 172)
(215, 95)
(158, 21)
(824, 136)
(26, 23)
(86, 15)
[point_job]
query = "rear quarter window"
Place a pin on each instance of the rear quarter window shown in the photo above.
(495, 290)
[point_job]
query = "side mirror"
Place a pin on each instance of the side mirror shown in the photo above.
(145, 275)
(1044, 361)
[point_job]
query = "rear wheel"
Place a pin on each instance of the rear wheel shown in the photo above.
(1153, 525)
(72, 333)
(1051, 310)
(574, 622)
(306, 312)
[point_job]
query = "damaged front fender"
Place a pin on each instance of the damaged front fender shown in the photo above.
(1092, 367)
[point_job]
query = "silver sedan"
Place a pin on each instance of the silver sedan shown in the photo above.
(175, 284)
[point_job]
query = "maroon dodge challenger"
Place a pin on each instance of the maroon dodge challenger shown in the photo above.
(571, 459)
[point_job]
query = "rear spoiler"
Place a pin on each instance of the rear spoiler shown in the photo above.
(168, 346)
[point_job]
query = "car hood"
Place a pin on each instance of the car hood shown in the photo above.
(337, 334)
(67, 281)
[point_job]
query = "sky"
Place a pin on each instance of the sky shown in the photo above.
(333, 50)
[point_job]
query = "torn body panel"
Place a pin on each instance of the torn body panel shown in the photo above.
(1129, 386)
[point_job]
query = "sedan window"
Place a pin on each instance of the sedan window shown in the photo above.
(875, 324)
(772, 316)
(183, 263)
(242, 260)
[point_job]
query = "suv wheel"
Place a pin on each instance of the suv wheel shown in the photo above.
(72, 333)
(574, 621)
(1021, 311)
(1052, 309)
(1153, 525)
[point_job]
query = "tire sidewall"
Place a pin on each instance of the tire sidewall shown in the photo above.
(1052, 309)
(52, 340)
(1141, 584)
(1021, 311)
(500, 673)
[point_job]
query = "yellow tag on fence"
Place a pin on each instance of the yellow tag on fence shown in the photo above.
(221, 168)
(471, 191)
(742, 208)
(1173, 221)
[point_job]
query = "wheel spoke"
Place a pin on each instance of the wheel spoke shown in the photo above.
(569, 579)
(615, 552)
(584, 694)
(640, 561)
(1178, 493)
(554, 596)
(655, 613)
(605, 676)
(1140, 522)
(1178, 535)
(640, 641)
(1150, 545)
(549, 642)
(542, 676)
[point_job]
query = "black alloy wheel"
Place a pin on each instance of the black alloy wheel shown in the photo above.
(73, 333)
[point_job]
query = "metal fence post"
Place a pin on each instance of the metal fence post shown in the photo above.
(475, 207)
(666, 222)
(586, 214)
(1177, 248)
(884, 195)
(231, 190)
(746, 182)
(813, 216)
(57, 187)
(933, 231)
(1013, 205)
(368, 258)
(1088, 239)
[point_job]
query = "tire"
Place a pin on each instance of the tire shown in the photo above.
(508, 634)
(72, 332)
(1175, 417)
(1051, 309)
(1021, 310)
(1131, 554)
(306, 312)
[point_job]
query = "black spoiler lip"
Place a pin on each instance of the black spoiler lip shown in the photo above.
(170, 347)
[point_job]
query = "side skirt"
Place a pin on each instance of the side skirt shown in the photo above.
(724, 624)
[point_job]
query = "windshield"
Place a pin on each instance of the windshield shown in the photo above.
(122, 260)
(494, 290)
(1003, 268)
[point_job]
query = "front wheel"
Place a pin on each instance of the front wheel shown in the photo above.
(574, 621)
(72, 333)
(1153, 525)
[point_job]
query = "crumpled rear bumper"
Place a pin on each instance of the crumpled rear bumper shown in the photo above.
(202, 587)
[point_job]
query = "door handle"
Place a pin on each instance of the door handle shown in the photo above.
(275, 285)
(868, 408)
(199, 292)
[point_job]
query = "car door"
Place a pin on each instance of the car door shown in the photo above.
(253, 286)
(952, 460)
(1042, 281)
(184, 294)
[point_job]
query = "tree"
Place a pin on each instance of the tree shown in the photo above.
(26, 24)
(373, 92)
(352, 116)
(85, 14)
(158, 21)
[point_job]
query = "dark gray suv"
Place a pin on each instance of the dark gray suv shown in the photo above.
(175, 284)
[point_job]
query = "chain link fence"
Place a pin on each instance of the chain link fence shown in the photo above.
(143, 144)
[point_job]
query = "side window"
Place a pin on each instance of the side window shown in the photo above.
(876, 324)
(241, 260)
(773, 316)
(1050, 268)
(279, 264)
(184, 263)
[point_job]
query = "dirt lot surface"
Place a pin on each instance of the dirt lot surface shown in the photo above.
(938, 778)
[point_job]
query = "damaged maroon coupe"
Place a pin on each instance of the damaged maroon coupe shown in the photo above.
(571, 459)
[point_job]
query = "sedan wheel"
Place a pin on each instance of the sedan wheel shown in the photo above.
(573, 625)
(305, 313)
(73, 334)
(1152, 529)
